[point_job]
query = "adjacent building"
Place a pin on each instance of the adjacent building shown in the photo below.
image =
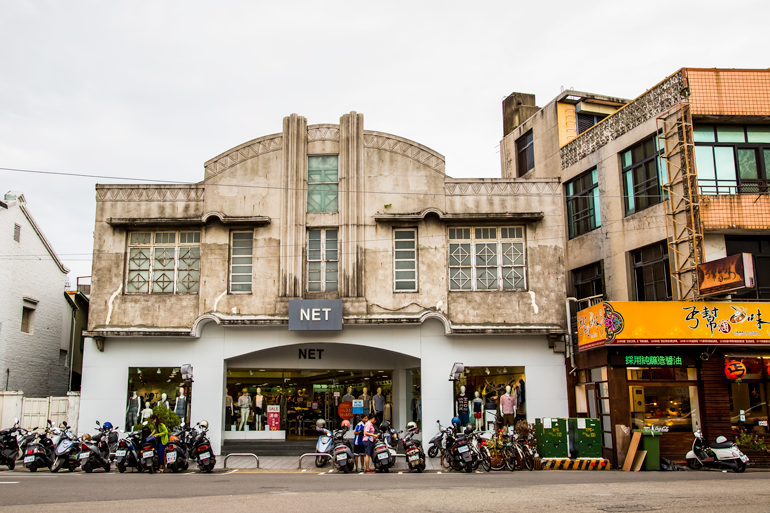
(34, 330)
(321, 266)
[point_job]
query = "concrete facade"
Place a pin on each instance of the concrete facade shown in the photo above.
(33, 277)
(386, 182)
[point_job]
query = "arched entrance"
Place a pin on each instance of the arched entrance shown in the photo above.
(280, 392)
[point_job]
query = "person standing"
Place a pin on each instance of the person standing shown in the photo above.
(358, 444)
(369, 438)
(160, 432)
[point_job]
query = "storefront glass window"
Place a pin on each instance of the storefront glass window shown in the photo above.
(490, 383)
(748, 396)
(669, 408)
(149, 387)
(661, 373)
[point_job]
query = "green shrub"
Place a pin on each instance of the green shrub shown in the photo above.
(166, 416)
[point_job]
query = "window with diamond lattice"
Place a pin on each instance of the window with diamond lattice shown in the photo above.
(163, 263)
(487, 259)
(323, 183)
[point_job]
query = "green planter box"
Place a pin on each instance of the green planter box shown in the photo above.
(651, 443)
(585, 438)
(552, 441)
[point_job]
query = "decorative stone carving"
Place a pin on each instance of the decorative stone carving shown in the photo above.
(498, 188)
(421, 154)
(243, 153)
(323, 133)
(150, 193)
(652, 103)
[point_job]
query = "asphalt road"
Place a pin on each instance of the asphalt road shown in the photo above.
(611, 492)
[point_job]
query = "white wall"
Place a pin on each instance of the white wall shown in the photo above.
(105, 375)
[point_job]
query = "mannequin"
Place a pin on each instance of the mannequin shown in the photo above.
(258, 408)
(349, 395)
(378, 405)
(367, 399)
(163, 400)
(477, 407)
(462, 406)
(244, 403)
(416, 407)
(508, 407)
(132, 411)
(147, 411)
(180, 407)
(228, 411)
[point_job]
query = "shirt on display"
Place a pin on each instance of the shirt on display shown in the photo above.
(462, 404)
(507, 404)
(379, 402)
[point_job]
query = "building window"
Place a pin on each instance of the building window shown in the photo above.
(323, 183)
(583, 211)
(487, 258)
(732, 159)
(651, 272)
(588, 282)
(16, 232)
(241, 260)
(323, 260)
(166, 262)
(405, 260)
(525, 152)
(759, 247)
(641, 178)
(27, 319)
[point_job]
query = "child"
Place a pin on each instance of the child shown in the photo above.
(358, 444)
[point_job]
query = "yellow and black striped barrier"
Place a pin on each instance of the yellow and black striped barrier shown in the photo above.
(568, 464)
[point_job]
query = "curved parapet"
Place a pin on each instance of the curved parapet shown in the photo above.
(406, 147)
(242, 153)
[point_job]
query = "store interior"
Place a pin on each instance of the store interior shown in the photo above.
(490, 384)
(150, 386)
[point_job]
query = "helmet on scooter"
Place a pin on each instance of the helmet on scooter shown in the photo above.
(320, 423)
(411, 426)
(346, 424)
(469, 428)
(456, 421)
(204, 424)
(385, 426)
(721, 439)
(86, 437)
(107, 425)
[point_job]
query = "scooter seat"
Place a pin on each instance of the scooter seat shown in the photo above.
(723, 445)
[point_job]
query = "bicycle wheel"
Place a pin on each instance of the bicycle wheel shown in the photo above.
(486, 460)
(529, 460)
(445, 463)
(510, 458)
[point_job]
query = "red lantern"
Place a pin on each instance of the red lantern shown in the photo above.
(735, 370)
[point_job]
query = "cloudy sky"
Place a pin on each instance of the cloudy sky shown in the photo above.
(153, 89)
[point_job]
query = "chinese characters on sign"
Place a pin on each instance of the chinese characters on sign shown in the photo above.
(653, 360)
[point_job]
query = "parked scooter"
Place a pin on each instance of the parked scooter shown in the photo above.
(325, 444)
(95, 450)
(38, 451)
(177, 451)
(66, 451)
(343, 452)
(458, 451)
(9, 446)
(438, 442)
(384, 455)
(722, 454)
(127, 453)
(415, 457)
(201, 448)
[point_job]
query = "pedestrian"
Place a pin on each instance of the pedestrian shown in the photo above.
(160, 432)
(369, 438)
(358, 444)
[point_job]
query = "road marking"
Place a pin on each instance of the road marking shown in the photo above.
(400, 473)
(304, 470)
(232, 471)
(9, 482)
(438, 472)
(322, 473)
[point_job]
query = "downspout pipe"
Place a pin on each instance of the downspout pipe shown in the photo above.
(569, 333)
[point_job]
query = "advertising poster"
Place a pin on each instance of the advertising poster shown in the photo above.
(273, 417)
(358, 407)
(345, 410)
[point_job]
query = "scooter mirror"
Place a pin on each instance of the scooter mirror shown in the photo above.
(64, 424)
(97, 423)
(144, 423)
(50, 423)
(16, 420)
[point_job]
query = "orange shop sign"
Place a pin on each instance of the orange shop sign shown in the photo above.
(673, 323)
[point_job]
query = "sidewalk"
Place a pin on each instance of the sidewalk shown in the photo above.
(308, 463)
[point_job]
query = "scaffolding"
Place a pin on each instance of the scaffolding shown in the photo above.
(684, 229)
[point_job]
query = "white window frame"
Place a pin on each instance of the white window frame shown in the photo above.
(487, 258)
(139, 251)
(237, 266)
(400, 261)
(324, 259)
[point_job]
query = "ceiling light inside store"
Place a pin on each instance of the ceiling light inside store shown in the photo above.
(486, 370)
(261, 370)
(250, 373)
(380, 371)
(505, 370)
(168, 381)
(139, 371)
(159, 370)
(342, 371)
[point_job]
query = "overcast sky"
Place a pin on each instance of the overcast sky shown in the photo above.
(154, 89)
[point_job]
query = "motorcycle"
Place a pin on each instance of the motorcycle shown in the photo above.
(95, 450)
(127, 451)
(66, 451)
(722, 454)
(384, 455)
(38, 451)
(343, 453)
(325, 444)
(201, 448)
(458, 452)
(9, 446)
(177, 451)
(438, 442)
(415, 457)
